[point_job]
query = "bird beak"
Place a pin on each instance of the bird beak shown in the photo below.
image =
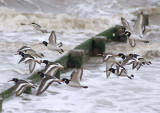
(35, 73)
(9, 80)
(122, 34)
(61, 80)
(99, 54)
(116, 55)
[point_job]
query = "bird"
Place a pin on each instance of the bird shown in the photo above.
(29, 50)
(110, 61)
(75, 79)
(140, 58)
(51, 67)
(120, 72)
(135, 34)
(26, 58)
(142, 61)
(127, 60)
(52, 45)
(46, 81)
(21, 85)
(37, 27)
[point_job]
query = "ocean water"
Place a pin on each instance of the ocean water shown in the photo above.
(74, 22)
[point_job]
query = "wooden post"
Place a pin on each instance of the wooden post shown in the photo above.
(76, 58)
(118, 36)
(58, 74)
(98, 45)
(146, 19)
(28, 90)
(1, 101)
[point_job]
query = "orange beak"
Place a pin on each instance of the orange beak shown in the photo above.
(10, 80)
(60, 80)
(116, 55)
(122, 34)
(35, 73)
(99, 54)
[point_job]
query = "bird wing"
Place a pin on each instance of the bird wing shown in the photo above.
(76, 75)
(52, 38)
(24, 48)
(125, 24)
(20, 87)
(108, 66)
(22, 59)
(132, 42)
(45, 83)
(32, 64)
(122, 72)
(139, 25)
(50, 69)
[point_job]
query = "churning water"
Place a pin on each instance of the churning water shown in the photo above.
(74, 22)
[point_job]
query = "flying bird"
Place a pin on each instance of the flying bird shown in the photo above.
(29, 50)
(21, 85)
(120, 72)
(51, 67)
(37, 27)
(46, 81)
(136, 34)
(52, 44)
(110, 61)
(27, 58)
(75, 79)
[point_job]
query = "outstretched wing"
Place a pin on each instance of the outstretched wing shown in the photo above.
(45, 83)
(32, 64)
(125, 24)
(24, 48)
(139, 25)
(76, 75)
(132, 42)
(20, 87)
(52, 38)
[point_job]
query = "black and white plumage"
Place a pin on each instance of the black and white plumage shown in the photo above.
(120, 72)
(126, 60)
(51, 67)
(110, 61)
(46, 81)
(26, 58)
(37, 27)
(29, 50)
(52, 45)
(135, 34)
(21, 85)
(75, 79)
(142, 61)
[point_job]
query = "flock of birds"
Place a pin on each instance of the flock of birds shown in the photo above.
(29, 56)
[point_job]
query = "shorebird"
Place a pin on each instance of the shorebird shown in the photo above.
(135, 34)
(26, 58)
(29, 50)
(127, 60)
(110, 61)
(75, 79)
(51, 67)
(21, 85)
(46, 81)
(37, 27)
(52, 45)
(120, 72)
(142, 61)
